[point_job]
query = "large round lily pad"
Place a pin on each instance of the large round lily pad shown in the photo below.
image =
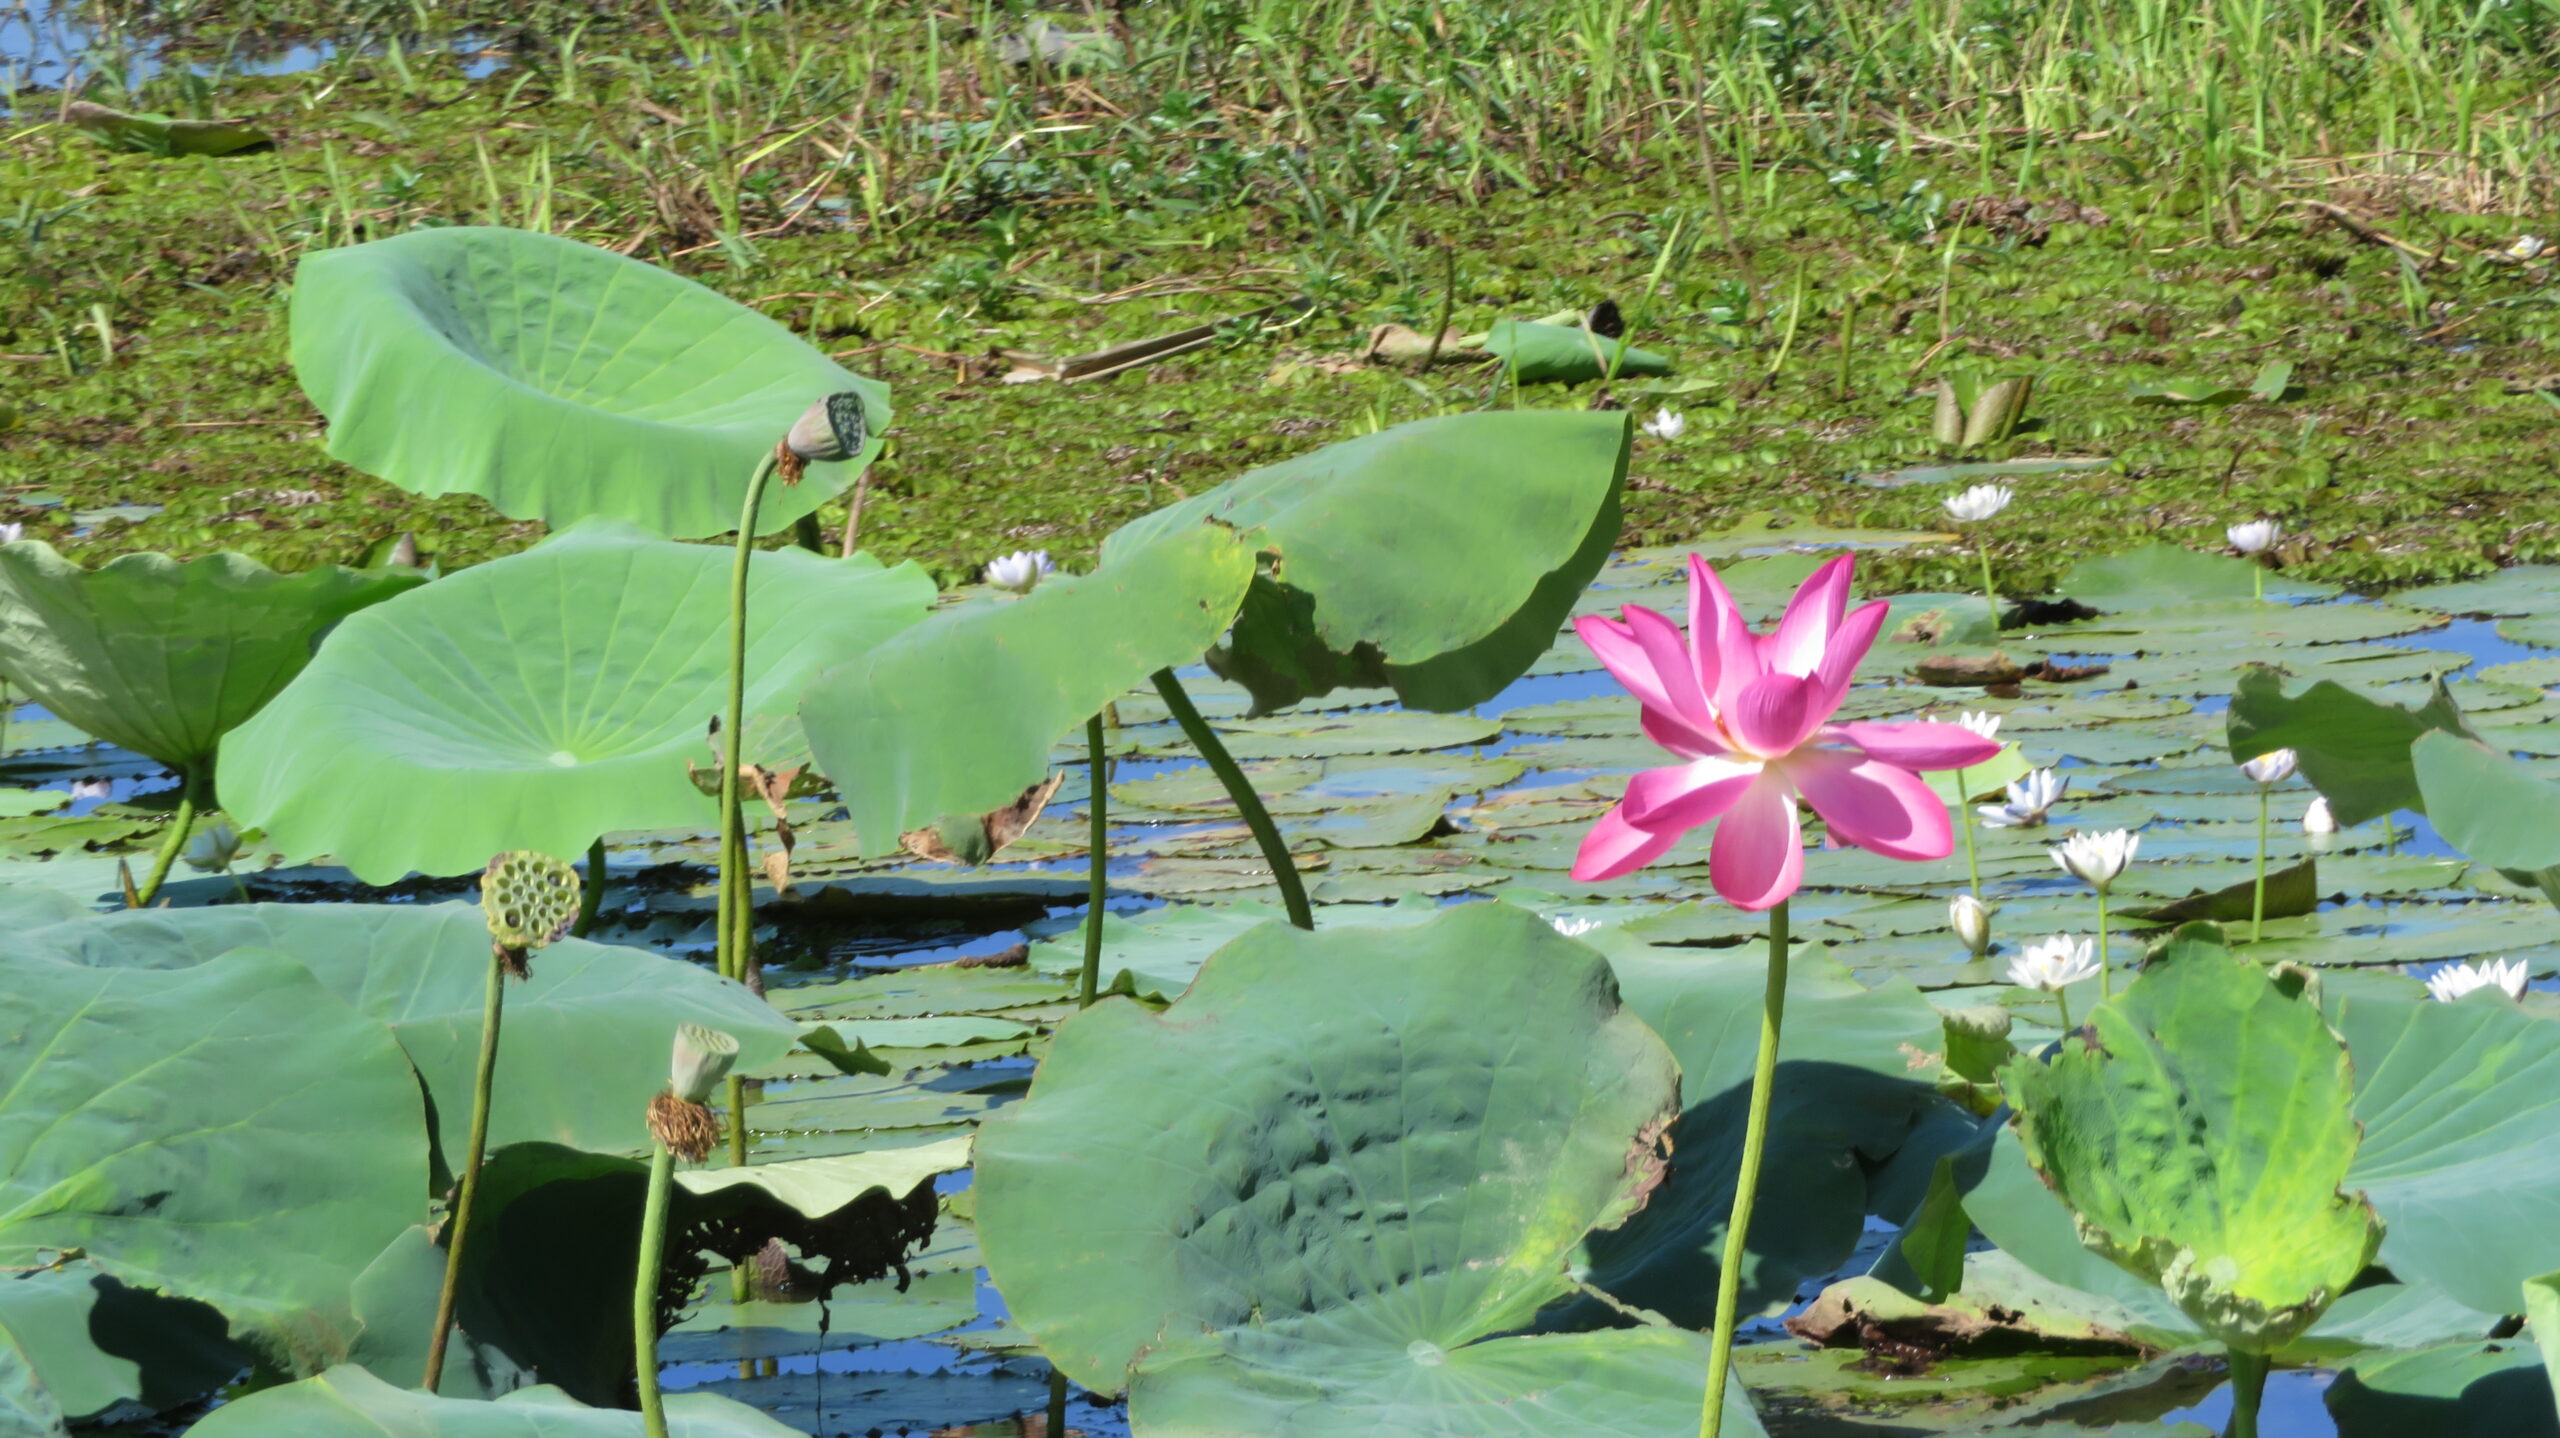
(164, 656)
(232, 1133)
(1436, 558)
(959, 714)
(559, 381)
(1300, 1200)
(538, 701)
(585, 1040)
(349, 1402)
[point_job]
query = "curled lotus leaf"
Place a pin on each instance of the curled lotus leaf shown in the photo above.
(560, 381)
(348, 1402)
(165, 656)
(1436, 558)
(538, 701)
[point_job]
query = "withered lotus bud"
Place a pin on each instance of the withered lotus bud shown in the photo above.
(688, 1130)
(833, 429)
(702, 1058)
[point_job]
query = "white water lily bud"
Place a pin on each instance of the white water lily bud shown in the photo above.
(2050, 964)
(2096, 859)
(1020, 571)
(2317, 819)
(835, 428)
(212, 848)
(2454, 980)
(2255, 537)
(1667, 424)
(1979, 503)
(702, 1059)
(2273, 767)
(1980, 722)
(1971, 920)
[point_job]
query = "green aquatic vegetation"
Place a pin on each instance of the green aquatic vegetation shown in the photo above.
(352, 1402)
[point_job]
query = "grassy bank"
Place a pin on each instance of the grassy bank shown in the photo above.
(1817, 212)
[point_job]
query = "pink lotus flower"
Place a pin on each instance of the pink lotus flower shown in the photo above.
(1749, 717)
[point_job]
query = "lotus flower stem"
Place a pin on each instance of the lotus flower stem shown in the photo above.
(1293, 892)
(1755, 1139)
(2248, 1389)
(492, 1009)
(1982, 551)
(1097, 857)
(734, 717)
(2063, 1000)
(2258, 583)
(591, 894)
(2106, 972)
(182, 823)
(2258, 891)
(644, 1290)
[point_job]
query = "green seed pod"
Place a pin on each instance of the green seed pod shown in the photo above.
(702, 1059)
(833, 429)
(530, 899)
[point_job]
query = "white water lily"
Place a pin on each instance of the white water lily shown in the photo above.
(2096, 859)
(91, 789)
(1021, 570)
(2255, 537)
(2052, 963)
(2527, 247)
(1667, 424)
(212, 848)
(1981, 722)
(2454, 980)
(1572, 927)
(2273, 767)
(12, 533)
(2317, 819)
(1971, 919)
(2029, 798)
(1979, 503)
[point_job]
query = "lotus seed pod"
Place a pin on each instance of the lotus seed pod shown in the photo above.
(702, 1058)
(833, 429)
(688, 1130)
(530, 899)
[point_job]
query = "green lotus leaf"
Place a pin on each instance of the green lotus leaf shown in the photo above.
(538, 701)
(395, 1302)
(348, 1402)
(959, 714)
(2486, 804)
(1564, 354)
(2199, 1127)
(1382, 1181)
(2354, 748)
(559, 381)
(2462, 1388)
(2542, 1317)
(164, 656)
(1435, 558)
(232, 1133)
(165, 135)
(584, 1044)
(75, 1344)
(1846, 1102)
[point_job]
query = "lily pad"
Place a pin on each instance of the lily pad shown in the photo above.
(239, 1136)
(959, 714)
(349, 1402)
(539, 701)
(584, 1044)
(2463, 1388)
(1380, 1187)
(2162, 576)
(1436, 558)
(2218, 1180)
(162, 656)
(559, 381)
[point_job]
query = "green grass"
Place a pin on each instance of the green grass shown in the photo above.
(892, 188)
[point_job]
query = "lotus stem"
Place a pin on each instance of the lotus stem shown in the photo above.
(492, 1009)
(1755, 1139)
(1058, 1401)
(2062, 997)
(2258, 891)
(734, 717)
(2257, 582)
(1982, 551)
(644, 1290)
(1293, 892)
(591, 896)
(1097, 861)
(2248, 1389)
(6, 705)
(1964, 821)
(2106, 971)
(182, 823)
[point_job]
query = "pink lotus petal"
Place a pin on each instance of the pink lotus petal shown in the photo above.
(1679, 736)
(1849, 645)
(1614, 847)
(1921, 744)
(1773, 714)
(1757, 859)
(1614, 645)
(1673, 666)
(1805, 630)
(1872, 804)
(1685, 795)
(1727, 653)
